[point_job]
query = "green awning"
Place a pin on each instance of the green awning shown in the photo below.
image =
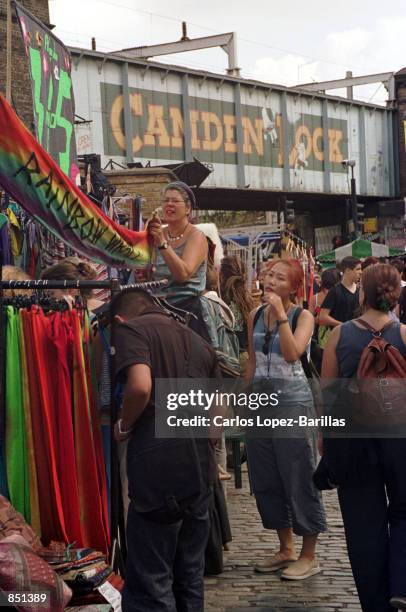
(358, 248)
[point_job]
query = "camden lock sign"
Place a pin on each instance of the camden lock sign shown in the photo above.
(158, 131)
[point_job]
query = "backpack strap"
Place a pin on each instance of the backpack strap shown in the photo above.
(258, 314)
(375, 332)
(303, 358)
(295, 318)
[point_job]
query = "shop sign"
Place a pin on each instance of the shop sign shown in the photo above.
(158, 131)
(370, 224)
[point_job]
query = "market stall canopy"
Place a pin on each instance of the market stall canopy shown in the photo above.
(249, 244)
(246, 239)
(358, 248)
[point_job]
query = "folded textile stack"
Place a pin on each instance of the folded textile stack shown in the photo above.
(84, 570)
(26, 565)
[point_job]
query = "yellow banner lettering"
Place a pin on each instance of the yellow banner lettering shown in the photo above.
(194, 118)
(230, 122)
(156, 130)
(334, 139)
(178, 127)
(210, 144)
(253, 134)
(318, 152)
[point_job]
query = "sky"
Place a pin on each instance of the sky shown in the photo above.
(287, 42)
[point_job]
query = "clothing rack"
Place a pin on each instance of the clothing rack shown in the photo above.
(117, 532)
(78, 284)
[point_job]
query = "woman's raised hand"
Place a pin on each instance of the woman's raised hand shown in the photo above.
(155, 230)
(276, 304)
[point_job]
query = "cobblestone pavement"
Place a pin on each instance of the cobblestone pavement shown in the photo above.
(240, 589)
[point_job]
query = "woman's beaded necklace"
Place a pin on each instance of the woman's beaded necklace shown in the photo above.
(178, 237)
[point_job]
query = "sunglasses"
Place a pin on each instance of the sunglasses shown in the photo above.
(267, 339)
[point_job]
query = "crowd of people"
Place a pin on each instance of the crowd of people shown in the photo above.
(172, 514)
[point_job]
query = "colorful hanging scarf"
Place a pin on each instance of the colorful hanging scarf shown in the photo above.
(49, 491)
(92, 491)
(34, 501)
(16, 440)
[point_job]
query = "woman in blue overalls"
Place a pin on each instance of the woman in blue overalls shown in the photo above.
(281, 468)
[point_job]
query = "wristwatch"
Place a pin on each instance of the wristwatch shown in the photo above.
(279, 323)
(163, 246)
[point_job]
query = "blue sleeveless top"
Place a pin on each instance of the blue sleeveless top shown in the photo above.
(176, 291)
(290, 377)
(354, 339)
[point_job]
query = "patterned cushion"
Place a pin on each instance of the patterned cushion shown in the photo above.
(12, 521)
(22, 570)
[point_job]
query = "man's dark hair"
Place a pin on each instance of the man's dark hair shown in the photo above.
(349, 263)
(128, 302)
(329, 278)
(369, 261)
(399, 264)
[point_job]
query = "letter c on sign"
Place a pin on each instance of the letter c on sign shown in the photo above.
(318, 152)
(115, 116)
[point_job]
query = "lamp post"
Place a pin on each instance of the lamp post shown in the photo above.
(354, 209)
(357, 208)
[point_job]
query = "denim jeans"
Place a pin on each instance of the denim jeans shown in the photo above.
(165, 563)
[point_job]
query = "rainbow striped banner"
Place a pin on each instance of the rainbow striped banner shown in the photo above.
(37, 183)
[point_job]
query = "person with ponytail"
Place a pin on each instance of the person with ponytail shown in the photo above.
(235, 293)
(281, 468)
(370, 472)
(73, 269)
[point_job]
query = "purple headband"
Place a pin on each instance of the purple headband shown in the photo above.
(186, 188)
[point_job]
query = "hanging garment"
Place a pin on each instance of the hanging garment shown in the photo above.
(102, 272)
(89, 453)
(16, 443)
(90, 368)
(53, 249)
(33, 484)
(55, 463)
(3, 474)
(5, 245)
(15, 233)
(50, 501)
(56, 329)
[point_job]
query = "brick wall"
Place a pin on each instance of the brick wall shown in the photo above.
(147, 182)
(21, 88)
(401, 102)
